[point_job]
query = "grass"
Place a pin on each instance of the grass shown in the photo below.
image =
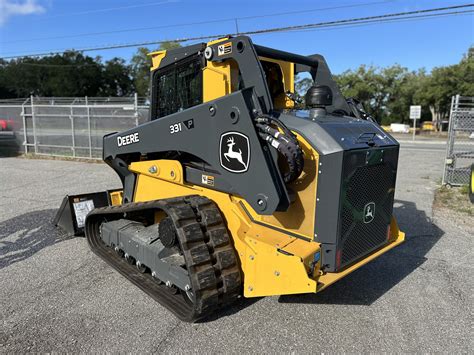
(455, 198)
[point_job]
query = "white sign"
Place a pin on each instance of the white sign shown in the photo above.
(415, 112)
(81, 210)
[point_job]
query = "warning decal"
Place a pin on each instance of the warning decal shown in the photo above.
(81, 209)
(208, 180)
(224, 49)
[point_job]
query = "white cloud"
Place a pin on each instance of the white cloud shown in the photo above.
(9, 8)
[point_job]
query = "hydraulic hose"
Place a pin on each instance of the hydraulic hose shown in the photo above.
(285, 143)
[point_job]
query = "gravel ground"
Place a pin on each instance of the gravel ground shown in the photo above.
(453, 204)
(56, 295)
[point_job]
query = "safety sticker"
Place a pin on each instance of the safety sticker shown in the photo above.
(208, 180)
(81, 209)
(224, 49)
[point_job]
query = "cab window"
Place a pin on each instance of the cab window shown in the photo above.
(177, 87)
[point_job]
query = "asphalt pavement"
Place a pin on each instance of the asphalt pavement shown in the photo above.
(56, 295)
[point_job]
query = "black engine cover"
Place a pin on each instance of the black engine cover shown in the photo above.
(355, 187)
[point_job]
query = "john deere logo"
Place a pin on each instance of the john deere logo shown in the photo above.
(235, 152)
(369, 212)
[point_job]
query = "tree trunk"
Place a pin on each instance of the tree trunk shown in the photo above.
(434, 117)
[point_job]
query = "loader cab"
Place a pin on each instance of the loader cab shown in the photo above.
(189, 76)
(182, 79)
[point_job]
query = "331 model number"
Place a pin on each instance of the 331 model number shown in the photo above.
(176, 128)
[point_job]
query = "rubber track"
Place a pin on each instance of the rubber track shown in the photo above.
(210, 258)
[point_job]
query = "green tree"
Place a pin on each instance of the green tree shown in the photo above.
(5, 92)
(403, 88)
(443, 83)
(367, 85)
(303, 82)
(167, 45)
(69, 74)
(388, 93)
(141, 64)
(465, 74)
(117, 80)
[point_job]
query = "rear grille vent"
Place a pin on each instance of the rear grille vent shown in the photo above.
(366, 204)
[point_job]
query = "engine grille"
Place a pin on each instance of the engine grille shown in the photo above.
(366, 202)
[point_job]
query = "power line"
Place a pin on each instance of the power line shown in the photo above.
(367, 18)
(55, 65)
(395, 20)
(277, 29)
(138, 29)
(331, 26)
(351, 21)
(108, 9)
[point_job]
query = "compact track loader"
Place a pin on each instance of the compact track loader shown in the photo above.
(235, 188)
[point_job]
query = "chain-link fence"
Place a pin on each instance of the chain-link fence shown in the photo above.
(68, 127)
(460, 149)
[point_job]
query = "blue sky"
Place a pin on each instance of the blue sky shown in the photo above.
(27, 26)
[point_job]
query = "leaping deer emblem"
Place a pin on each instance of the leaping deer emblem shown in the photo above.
(232, 154)
(369, 212)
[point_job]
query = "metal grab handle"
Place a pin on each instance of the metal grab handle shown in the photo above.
(366, 138)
